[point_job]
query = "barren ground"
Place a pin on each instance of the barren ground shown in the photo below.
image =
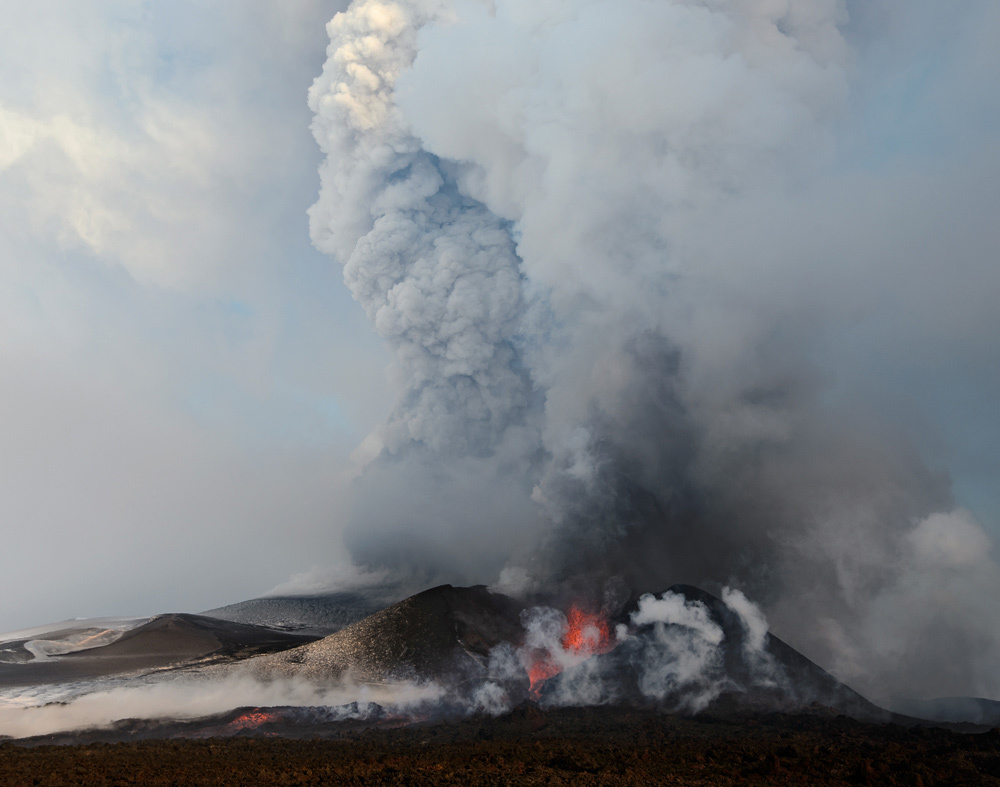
(568, 747)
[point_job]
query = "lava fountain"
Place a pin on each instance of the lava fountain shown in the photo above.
(586, 634)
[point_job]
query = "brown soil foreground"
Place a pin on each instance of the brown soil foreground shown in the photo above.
(572, 747)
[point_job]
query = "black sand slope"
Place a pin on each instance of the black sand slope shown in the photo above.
(193, 636)
(320, 614)
(429, 635)
(165, 641)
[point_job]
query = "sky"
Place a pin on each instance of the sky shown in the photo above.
(183, 375)
(503, 280)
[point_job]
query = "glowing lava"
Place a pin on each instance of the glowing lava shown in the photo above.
(251, 720)
(587, 634)
(540, 671)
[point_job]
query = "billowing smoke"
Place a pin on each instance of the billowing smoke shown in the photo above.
(673, 652)
(615, 250)
(438, 275)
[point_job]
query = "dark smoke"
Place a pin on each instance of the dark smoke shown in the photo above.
(614, 249)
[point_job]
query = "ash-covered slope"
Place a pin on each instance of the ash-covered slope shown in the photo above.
(318, 614)
(181, 636)
(440, 632)
(57, 639)
(165, 641)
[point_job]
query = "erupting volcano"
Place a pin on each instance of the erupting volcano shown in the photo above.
(663, 323)
(587, 234)
(455, 652)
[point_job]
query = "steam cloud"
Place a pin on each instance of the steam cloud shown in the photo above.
(608, 244)
(193, 697)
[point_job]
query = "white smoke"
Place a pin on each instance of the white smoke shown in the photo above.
(672, 647)
(192, 697)
(607, 242)
(439, 279)
(682, 658)
(435, 271)
(504, 669)
(516, 582)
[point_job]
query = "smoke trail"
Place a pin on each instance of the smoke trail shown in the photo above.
(192, 696)
(438, 276)
(575, 224)
(435, 271)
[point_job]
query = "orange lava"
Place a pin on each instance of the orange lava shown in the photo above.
(587, 634)
(251, 720)
(538, 673)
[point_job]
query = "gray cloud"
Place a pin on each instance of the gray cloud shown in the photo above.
(669, 266)
(176, 410)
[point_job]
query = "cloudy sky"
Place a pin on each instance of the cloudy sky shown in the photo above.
(184, 377)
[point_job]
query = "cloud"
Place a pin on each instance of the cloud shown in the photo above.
(954, 540)
(175, 383)
(730, 294)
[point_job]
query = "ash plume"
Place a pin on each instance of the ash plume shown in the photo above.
(611, 244)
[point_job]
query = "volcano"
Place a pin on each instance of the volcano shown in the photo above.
(447, 652)
(441, 632)
(451, 635)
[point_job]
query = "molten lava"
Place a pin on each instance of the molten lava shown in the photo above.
(540, 671)
(251, 720)
(587, 634)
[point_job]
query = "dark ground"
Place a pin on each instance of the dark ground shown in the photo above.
(604, 746)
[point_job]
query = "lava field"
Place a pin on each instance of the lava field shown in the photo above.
(606, 746)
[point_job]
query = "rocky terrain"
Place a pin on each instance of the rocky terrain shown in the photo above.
(606, 746)
(432, 634)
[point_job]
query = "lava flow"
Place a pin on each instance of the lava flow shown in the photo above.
(587, 634)
(251, 720)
